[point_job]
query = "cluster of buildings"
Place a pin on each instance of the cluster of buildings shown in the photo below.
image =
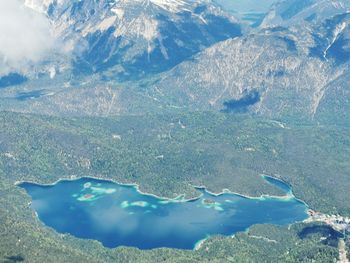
(337, 222)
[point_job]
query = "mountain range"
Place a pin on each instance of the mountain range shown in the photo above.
(132, 57)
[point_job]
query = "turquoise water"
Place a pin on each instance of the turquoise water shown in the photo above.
(119, 215)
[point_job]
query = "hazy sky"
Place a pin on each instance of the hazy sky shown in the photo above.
(246, 6)
(25, 36)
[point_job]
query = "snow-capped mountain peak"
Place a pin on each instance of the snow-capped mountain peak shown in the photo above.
(136, 37)
(41, 5)
(168, 5)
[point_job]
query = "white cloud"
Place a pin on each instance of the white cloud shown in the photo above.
(25, 37)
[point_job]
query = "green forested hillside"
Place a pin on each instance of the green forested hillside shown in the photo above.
(167, 155)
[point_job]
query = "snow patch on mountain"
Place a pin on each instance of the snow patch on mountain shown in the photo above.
(119, 12)
(171, 5)
(338, 30)
(141, 26)
(42, 5)
(102, 26)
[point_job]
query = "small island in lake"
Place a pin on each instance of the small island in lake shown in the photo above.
(119, 215)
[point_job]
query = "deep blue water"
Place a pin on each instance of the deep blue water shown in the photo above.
(119, 215)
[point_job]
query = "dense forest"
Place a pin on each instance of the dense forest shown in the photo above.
(215, 150)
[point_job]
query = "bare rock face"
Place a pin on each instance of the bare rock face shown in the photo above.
(276, 72)
(141, 56)
(131, 39)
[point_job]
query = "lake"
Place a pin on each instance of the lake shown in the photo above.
(119, 215)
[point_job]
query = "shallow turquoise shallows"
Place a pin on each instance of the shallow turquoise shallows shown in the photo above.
(119, 215)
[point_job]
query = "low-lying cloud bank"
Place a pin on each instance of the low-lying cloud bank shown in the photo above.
(25, 37)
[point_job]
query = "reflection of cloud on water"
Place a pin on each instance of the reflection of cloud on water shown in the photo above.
(113, 219)
(40, 205)
(184, 218)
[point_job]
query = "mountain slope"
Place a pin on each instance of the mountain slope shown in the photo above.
(277, 72)
(287, 13)
(293, 71)
(335, 104)
(132, 38)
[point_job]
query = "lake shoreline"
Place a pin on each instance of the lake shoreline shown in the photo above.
(180, 197)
